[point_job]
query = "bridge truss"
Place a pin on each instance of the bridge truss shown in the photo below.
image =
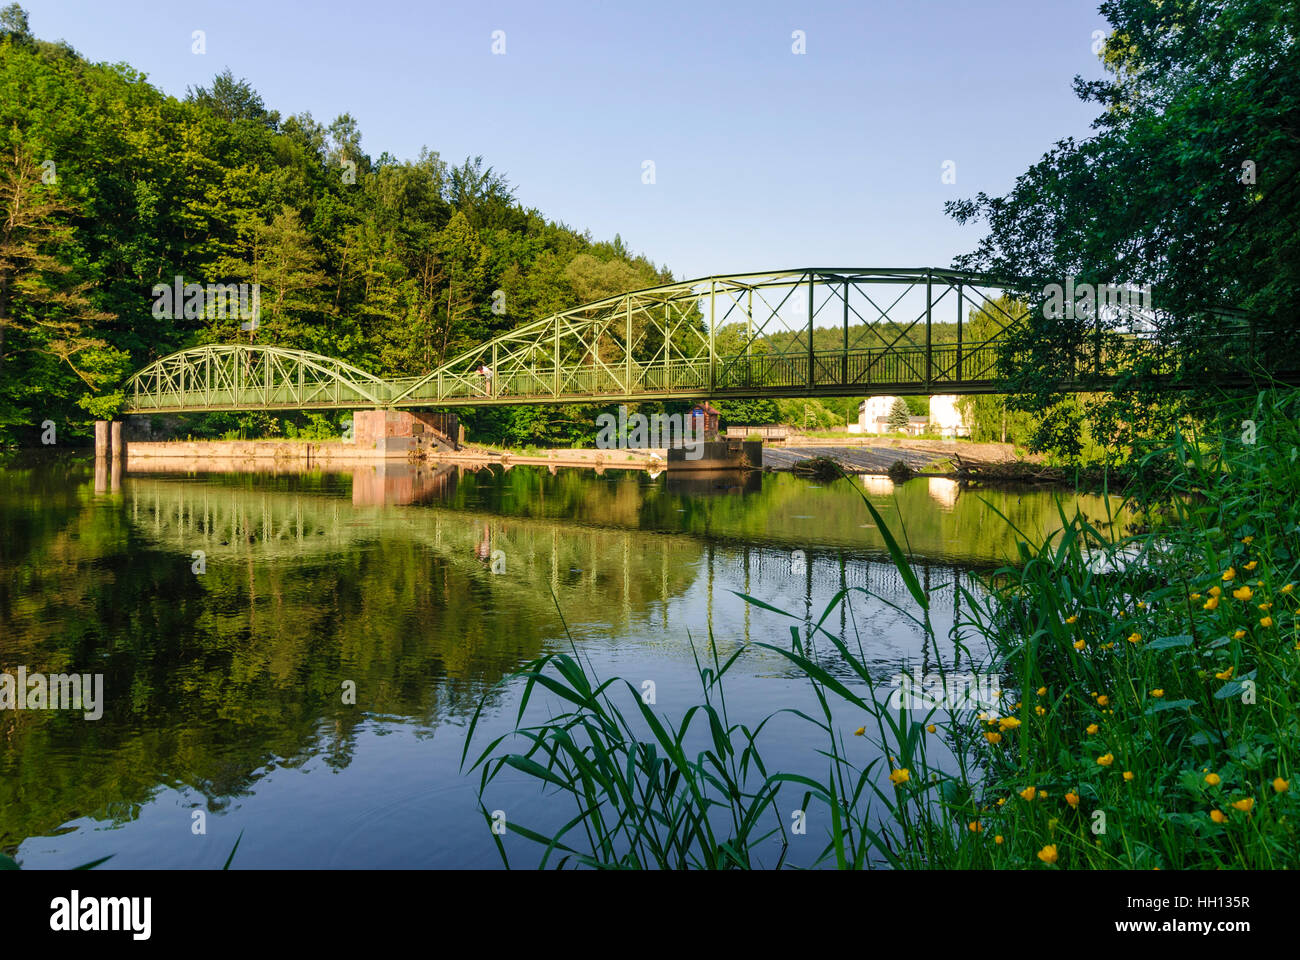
(804, 332)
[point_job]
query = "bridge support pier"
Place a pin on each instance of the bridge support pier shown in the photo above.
(108, 439)
(403, 433)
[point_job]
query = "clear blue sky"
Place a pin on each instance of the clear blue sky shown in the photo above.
(763, 158)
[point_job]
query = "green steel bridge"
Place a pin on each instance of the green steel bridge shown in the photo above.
(733, 336)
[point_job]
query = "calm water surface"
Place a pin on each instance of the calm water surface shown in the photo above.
(223, 688)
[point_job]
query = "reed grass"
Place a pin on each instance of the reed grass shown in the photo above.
(1149, 707)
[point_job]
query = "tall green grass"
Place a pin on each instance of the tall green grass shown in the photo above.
(1150, 708)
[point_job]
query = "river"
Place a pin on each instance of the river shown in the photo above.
(231, 614)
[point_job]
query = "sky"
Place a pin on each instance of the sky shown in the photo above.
(763, 158)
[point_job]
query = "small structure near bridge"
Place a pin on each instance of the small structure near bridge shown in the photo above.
(767, 432)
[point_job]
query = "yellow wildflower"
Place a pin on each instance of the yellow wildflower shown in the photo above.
(1224, 674)
(1106, 759)
(975, 826)
(1008, 723)
(1288, 588)
(1238, 634)
(1218, 816)
(1072, 618)
(1072, 798)
(1215, 590)
(1048, 853)
(899, 777)
(993, 737)
(930, 728)
(1093, 728)
(1134, 637)
(998, 838)
(1281, 786)
(1040, 710)
(1213, 779)
(1128, 774)
(1042, 690)
(1103, 701)
(1244, 805)
(1266, 621)
(1211, 604)
(1243, 592)
(1229, 575)
(1029, 793)
(1157, 693)
(1079, 644)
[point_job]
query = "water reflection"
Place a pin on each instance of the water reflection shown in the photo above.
(421, 586)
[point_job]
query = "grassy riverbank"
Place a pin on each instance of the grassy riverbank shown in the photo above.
(1150, 714)
(1150, 691)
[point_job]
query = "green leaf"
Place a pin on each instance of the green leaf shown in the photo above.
(1233, 688)
(1161, 705)
(230, 859)
(1169, 643)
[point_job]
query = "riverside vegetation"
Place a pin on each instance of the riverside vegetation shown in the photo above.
(1148, 721)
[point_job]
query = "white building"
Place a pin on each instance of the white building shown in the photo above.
(946, 417)
(873, 414)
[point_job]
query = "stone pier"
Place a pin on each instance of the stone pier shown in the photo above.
(108, 439)
(401, 433)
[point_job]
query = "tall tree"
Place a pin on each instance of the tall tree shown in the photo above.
(899, 415)
(42, 297)
(1191, 184)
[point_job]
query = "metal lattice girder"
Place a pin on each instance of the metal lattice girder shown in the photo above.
(734, 335)
(251, 377)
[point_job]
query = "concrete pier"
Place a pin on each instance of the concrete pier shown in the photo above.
(716, 455)
(101, 438)
(116, 445)
(403, 433)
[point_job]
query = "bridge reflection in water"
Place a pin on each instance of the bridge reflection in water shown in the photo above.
(224, 687)
(615, 551)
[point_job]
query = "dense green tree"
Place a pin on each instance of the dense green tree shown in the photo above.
(46, 307)
(898, 415)
(1190, 184)
(392, 265)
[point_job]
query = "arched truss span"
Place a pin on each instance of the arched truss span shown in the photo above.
(803, 332)
(250, 377)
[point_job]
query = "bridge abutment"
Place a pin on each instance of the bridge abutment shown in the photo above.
(399, 433)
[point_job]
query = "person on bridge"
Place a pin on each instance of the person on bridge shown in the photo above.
(486, 373)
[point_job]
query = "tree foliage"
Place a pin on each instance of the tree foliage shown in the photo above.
(391, 265)
(1189, 184)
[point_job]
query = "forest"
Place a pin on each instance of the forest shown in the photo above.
(114, 187)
